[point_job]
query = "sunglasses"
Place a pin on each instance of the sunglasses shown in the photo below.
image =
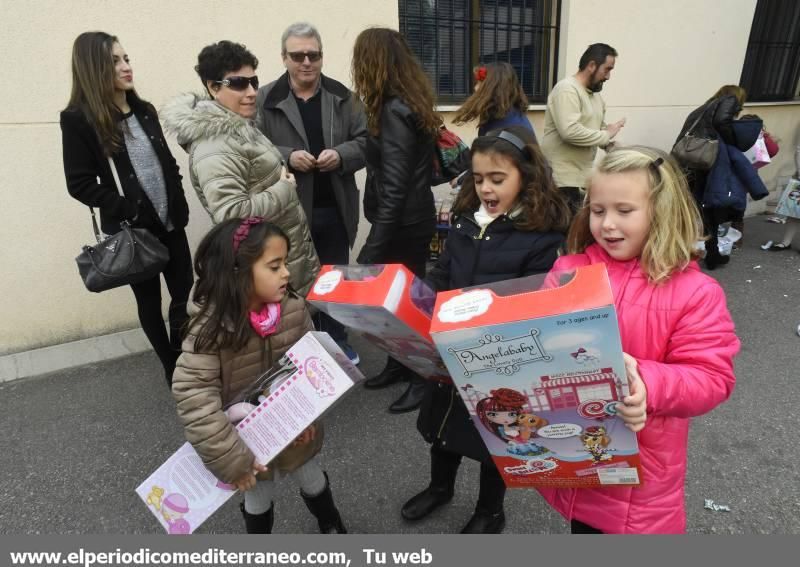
(239, 83)
(300, 56)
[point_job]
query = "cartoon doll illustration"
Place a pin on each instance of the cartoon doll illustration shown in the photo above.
(595, 440)
(586, 357)
(173, 508)
(500, 413)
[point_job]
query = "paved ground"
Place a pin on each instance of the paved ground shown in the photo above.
(75, 444)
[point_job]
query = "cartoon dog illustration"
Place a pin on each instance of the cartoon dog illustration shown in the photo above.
(595, 440)
(528, 424)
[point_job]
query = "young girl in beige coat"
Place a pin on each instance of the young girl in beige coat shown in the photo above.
(244, 318)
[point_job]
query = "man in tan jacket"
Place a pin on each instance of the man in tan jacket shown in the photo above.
(574, 122)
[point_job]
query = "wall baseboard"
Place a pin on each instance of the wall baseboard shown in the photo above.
(69, 355)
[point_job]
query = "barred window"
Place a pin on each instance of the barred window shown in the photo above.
(772, 64)
(451, 37)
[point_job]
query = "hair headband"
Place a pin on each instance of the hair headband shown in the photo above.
(655, 164)
(513, 140)
(244, 230)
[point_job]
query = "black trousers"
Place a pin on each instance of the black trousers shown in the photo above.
(578, 527)
(179, 278)
(444, 466)
(574, 198)
(712, 218)
(333, 247)
(410, 246)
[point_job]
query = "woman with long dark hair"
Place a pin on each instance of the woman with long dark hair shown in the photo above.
(398, 201)
(105, 118)
(498, 100)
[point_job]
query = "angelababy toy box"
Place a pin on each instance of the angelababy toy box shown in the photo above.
(305, 383)
(389, 306)
(538, 362)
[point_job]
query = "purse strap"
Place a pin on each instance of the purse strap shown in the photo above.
(119, 190)
(700, 117)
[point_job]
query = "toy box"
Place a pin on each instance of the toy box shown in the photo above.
(283, 402)
(538, 363)
(389, 306)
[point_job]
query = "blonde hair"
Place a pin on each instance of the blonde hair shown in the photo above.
(675, 223)
(731, 90)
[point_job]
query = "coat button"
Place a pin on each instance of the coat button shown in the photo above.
(488, 238)
(458, 226)
(131, 176)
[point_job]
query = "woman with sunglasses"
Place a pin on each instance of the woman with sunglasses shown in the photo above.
(398, 201)
(235, 170)
(105, 118)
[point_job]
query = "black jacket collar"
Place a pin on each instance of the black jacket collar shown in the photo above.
(281, 90)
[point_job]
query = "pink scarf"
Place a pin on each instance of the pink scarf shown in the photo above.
(265, 322)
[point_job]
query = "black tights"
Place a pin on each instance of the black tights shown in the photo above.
(179, 278)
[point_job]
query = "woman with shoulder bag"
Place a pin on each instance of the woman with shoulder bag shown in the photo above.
(398, 201)
(112, 136)
(715, 121)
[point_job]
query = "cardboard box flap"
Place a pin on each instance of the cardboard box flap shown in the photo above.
(543, 296)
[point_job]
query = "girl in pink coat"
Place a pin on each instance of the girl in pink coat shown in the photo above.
(639, 219)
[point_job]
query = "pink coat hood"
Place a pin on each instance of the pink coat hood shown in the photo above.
(683, 337)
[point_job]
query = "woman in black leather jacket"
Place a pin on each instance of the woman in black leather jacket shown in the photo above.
(717, 123)
(398, 201)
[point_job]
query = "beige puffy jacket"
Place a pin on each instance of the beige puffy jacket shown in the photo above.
(205, 383)
(236, 172)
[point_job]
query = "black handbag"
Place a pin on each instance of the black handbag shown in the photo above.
(130, 256)
(696, 152)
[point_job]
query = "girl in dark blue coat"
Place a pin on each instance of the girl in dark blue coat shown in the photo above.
(509, 222)
(498, 101)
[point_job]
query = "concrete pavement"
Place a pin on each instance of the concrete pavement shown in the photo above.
(75, 444)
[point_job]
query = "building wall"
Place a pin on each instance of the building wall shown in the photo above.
(655, 85)
(672, 57)
(44, 301)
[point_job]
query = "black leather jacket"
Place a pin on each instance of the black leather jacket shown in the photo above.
(399, 168)
(717, 120)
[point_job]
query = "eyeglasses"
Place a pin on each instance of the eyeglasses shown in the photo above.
(239, 83)
(300, 56)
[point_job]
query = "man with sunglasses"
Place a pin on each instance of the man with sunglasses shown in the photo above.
(320, 128)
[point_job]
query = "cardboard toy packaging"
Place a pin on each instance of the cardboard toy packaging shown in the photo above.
(303, 385)
(389, 306)
(538, 363)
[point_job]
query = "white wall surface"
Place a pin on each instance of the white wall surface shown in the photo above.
(673, 55)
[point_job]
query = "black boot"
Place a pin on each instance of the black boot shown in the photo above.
(488, 517)
(324, 510)
(258, 523)
(412, 397)
(444, 467)
(392, 373)
(485, 522)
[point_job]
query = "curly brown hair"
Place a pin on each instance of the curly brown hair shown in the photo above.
(384, 66)
(497, 95)
(543, 207)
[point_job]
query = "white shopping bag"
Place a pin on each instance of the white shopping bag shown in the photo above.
(758, 154)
